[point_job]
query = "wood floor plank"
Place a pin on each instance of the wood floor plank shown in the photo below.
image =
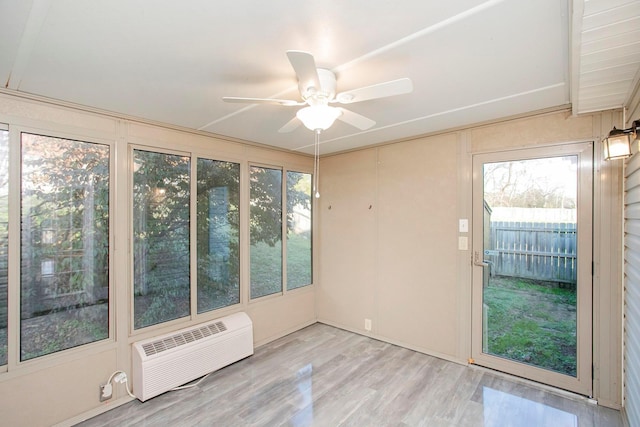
(323, 376)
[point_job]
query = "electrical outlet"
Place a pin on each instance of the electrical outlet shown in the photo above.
(367, 324)
(106, 392)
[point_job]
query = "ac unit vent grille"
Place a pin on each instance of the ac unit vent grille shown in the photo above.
(183, 338)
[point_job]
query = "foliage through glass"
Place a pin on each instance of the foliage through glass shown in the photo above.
(64, 291)
(298, 230)
(218, 225)
(265, 229)
(161, 196)
(4, 241)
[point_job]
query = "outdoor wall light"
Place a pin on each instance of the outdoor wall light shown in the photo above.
(618, 144)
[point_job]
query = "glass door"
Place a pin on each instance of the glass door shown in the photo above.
(532, 256)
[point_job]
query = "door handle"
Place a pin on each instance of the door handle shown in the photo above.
(477, 261)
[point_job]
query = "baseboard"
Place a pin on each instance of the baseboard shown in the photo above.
(383, 338)
(284, 333)
(94, 412)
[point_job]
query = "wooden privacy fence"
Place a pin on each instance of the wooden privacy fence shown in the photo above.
(533, 250)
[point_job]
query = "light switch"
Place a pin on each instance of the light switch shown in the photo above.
(463, 225)
(463, 243)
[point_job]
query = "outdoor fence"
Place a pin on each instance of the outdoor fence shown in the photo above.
(533, 250)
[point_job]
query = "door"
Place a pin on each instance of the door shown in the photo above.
(532, 257)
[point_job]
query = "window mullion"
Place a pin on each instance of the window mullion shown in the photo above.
(284, 232)
(13, 296)
(193, 236)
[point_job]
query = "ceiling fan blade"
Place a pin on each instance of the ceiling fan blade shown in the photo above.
(380, 90)
(355, 119)
(290, 126)
(304, 65)
(285, 102)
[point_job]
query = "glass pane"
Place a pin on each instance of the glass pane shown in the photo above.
(529, 287)
(65, 244)
(266, 231)
(160, 237)
(298, 229)
(4, 240)
(218, 234)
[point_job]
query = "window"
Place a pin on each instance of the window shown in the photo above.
(4, 240)
(218, 224)
(64, 295)
(161, 197)
(265, 229)
(298, 229)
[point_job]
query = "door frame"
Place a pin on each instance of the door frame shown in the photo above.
(583, 382)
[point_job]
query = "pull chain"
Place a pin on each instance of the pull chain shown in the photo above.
(316, 164)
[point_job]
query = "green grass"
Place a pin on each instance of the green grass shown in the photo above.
(266, 266)
(298, 261)
(532, 322)
(266, 269)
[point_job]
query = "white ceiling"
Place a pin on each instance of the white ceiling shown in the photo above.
(470, 60)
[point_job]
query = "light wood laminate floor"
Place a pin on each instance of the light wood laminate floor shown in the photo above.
(324, 376)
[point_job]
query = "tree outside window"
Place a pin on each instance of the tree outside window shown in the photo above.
(265, 229)
(218, 225)
(161, 262)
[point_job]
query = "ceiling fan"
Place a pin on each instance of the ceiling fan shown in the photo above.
(318, 89)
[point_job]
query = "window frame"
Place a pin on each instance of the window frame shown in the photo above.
(14, 362)
(312, 205)
(195, 153)
(193, 317)
(120, 144)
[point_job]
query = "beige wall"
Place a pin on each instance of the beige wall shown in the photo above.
(64, 386)
(416, 209)
(398, 263)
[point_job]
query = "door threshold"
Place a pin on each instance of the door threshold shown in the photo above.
(541, 386)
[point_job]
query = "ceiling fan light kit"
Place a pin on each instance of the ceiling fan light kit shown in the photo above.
(318, 117)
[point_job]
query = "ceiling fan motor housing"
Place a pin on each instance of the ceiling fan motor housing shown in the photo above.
(325, 93)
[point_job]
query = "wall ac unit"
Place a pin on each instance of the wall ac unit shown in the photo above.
(168, 361)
